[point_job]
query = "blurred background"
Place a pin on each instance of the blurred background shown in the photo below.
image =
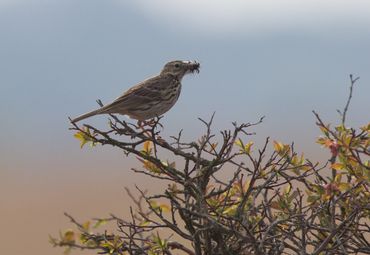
(278, 58)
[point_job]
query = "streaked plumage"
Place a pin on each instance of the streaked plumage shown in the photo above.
(152, 97)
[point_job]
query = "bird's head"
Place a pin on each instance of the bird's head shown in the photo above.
(179, 68)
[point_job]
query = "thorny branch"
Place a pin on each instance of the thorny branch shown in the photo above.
(345, 110)
(260, 209)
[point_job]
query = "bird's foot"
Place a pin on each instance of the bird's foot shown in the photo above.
(143, 124)
(147, 123)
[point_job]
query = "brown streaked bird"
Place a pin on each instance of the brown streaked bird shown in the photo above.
(152, 97)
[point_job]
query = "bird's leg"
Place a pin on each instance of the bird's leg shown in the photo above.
(152, 123)
(139, 123)
(142, 124)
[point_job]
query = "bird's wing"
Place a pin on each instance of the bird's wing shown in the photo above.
(141, 94)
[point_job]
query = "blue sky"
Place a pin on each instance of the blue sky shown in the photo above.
(281, 59)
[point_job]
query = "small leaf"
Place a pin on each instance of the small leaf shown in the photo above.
(337, 166)
(230, 210)
(278, 146)
(343, 186)
(338, 178)
(297, 161)
(325, 130)
(159, 207)
(147, 148)
(244, 148)
(82, 137)
(281, 149)
(213, 202)
(239, 143)
(85, 136)
(164, 207)
(144, 223)
(287, 189)
(275, 205)
(150, 166)
(247, 147)
(173, 189)
(86, 226)
(69, 236)
(167, 164)
(322, 140)
(90, 243)
(318, 188)
(162, 244)
(312, 199)
(153, 203)
(326, 197)
(99, 223)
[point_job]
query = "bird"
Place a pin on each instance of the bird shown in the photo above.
(152, 97)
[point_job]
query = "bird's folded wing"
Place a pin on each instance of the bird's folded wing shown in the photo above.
(141, 94)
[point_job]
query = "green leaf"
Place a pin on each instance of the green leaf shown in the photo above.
(337, 166)
(69, 237)
(230, 210)
(325, 129)
(247, 147)
(147, 148)
(86, 226)
(145, 223)
(82, 137)
(159, 207)
(99, 223)
(281, 149)
(343, 186)
(85, 136)
(239, 143)
(244, 148)
(151, 167)
(287, 189)
(312, 199)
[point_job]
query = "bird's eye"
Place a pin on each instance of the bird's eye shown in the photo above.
(177, 65)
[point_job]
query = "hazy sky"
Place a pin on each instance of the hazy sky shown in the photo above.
(276, 58)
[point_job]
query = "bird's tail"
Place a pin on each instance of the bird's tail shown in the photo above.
(86, 115)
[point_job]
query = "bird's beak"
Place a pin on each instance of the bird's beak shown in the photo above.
(193, 67)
